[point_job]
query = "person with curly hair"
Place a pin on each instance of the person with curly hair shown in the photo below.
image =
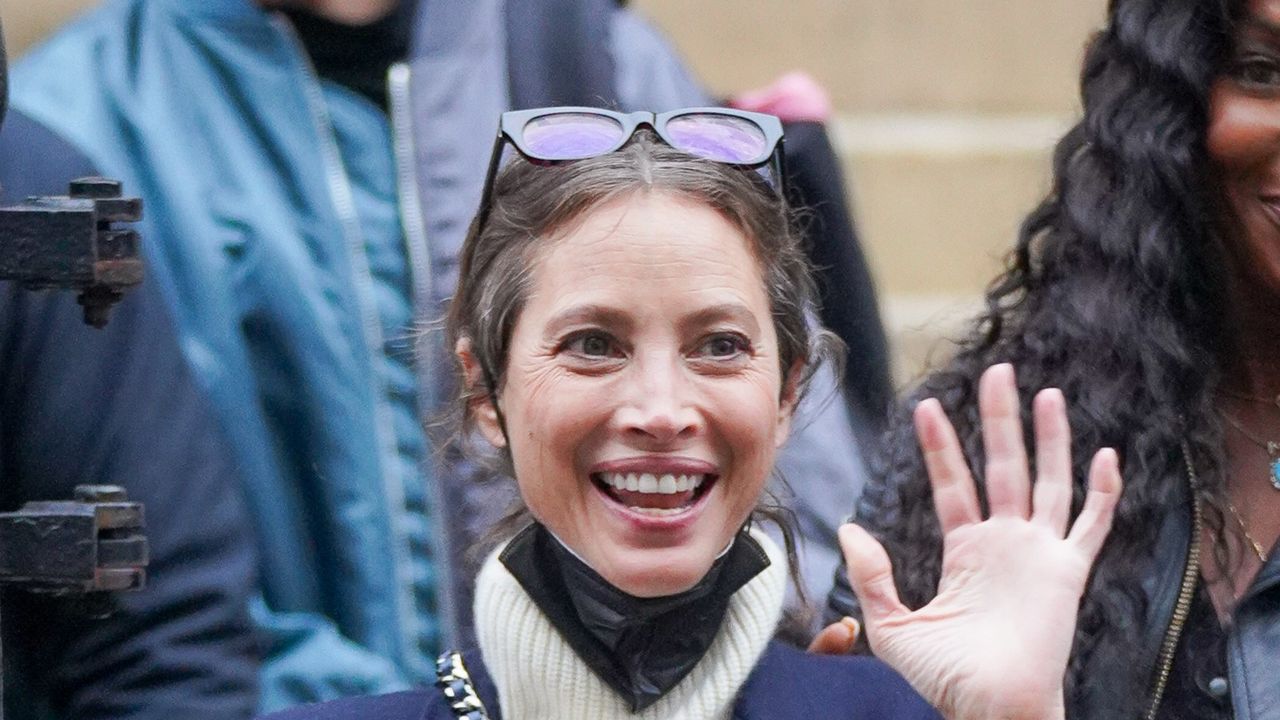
(1147, 287)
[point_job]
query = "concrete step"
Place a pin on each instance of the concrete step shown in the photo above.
(889, 55)
(939, 198)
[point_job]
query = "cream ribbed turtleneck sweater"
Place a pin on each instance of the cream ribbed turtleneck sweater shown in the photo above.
(539, 677)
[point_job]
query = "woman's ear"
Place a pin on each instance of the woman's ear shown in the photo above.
(790, 398)
(480, 403)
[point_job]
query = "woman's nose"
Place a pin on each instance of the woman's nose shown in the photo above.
(660, 406)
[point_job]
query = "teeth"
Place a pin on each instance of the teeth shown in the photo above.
(657, 512)
(668, 484)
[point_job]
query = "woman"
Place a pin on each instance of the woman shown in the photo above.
(631, 329)
(1147, 287)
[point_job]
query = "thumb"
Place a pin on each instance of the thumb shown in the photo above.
(838, 638)
(871, 575)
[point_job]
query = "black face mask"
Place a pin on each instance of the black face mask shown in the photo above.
(640, 647)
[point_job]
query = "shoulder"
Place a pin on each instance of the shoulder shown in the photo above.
(101, 31)
(35, 160)
(71, 81)
(789, 683)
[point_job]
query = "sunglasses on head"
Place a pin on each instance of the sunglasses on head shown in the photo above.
(562, 134)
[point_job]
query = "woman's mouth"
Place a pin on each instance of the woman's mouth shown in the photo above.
(655, 494)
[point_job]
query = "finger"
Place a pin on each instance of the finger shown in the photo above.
(954, 497)
(1051, 496)
(871, 576)
(838, 638)
(1093, 524)
(1008, 484)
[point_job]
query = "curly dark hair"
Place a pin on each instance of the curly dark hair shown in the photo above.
(1115, 294)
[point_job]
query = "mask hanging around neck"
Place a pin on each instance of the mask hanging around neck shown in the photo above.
(640, 647)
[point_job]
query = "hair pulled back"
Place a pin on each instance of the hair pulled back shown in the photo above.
(533, 202)
(1113, 293)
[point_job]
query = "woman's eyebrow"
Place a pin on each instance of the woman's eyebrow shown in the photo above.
(732, 312)
(588, 314)
(1267, 29)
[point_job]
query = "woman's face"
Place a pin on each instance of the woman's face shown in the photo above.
(643, 394)
(1244, 145)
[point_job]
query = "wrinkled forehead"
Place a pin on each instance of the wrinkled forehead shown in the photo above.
(655, 227)
(648, 241)
(665, 214)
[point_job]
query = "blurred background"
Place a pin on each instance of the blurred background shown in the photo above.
(946, 114)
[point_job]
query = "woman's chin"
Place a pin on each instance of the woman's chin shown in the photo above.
(655, 573)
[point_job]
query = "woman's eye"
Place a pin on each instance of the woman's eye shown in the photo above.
(592, 345)
(1258, 72)
(724, 346)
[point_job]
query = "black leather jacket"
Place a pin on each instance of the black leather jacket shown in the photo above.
(1122, 680)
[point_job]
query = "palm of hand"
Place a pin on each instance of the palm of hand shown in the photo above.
(994, 642)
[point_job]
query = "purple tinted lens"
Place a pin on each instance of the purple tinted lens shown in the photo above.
(723, 138)
(571, 136)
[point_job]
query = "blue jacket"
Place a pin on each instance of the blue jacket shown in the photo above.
(299, 237)
(786, 684)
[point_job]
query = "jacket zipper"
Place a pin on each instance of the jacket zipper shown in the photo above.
(1182, 608)
(420, 270)
(344, 205)
(422, 276)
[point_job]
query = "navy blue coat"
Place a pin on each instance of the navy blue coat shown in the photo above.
(119, 406)
(785, 684)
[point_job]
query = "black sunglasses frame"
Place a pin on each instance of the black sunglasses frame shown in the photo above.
(513, 122)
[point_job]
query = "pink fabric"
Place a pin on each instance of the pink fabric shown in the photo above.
(794, 97)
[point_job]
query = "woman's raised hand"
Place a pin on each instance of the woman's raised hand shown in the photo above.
(994, 642)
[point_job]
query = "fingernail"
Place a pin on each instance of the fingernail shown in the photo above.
(851, 628)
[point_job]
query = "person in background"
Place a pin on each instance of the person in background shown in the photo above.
(1147, 287)
(119, 406)
(308, 168)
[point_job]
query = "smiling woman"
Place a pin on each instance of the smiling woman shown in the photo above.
(652, 409)
(632, 327)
